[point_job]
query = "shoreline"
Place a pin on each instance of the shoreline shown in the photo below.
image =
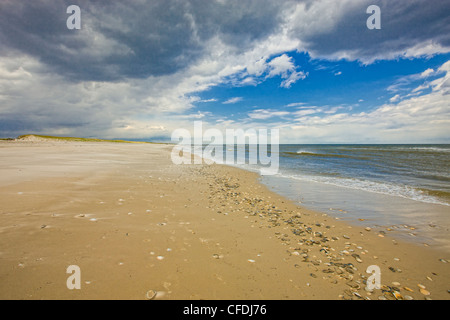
(86, 204)
(400, 217)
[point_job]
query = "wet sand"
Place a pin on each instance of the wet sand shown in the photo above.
(406, 219)
(134, 222)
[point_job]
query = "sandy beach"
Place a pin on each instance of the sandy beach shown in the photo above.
(136, 223)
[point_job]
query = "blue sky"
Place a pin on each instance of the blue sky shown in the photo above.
(328, 84)
(312, 69)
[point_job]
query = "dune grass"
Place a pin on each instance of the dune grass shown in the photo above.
(22, 137)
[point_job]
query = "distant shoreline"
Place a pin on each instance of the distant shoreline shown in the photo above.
(36, 137)
(66, 138)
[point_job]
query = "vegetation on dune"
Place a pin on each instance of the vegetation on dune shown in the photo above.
(23, 137)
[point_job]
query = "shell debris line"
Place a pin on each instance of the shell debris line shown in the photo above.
(337, 256)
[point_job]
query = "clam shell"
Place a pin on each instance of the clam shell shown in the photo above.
(424, 292)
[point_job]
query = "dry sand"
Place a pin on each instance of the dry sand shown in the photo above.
(133, 222)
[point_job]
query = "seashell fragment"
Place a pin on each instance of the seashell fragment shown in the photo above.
(357, 295)
(397, 295)
(424, 292)
(151, 294)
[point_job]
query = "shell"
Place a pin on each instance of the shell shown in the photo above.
(397, 295)
(424, 292)
(151, 294)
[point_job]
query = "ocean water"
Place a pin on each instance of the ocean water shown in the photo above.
(416, 172)
(397, 186)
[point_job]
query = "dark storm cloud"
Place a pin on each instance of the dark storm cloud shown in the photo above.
(137, 39)
(130, 39)
(405, 25)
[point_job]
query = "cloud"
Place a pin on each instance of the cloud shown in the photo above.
(35, 101)
(395, 98)
(337, 29)
(427, 73)
(147, 60)
(139, 39)
(305, 112)
(284, 67)
(233, 100)
(263, 114)
(207, 100)
(295, 104)
(136, 39)
(404, 83)
(255, 72)
(415, 119)
(195, 116)
(138, 64)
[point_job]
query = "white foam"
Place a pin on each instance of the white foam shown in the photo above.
(391, 189)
